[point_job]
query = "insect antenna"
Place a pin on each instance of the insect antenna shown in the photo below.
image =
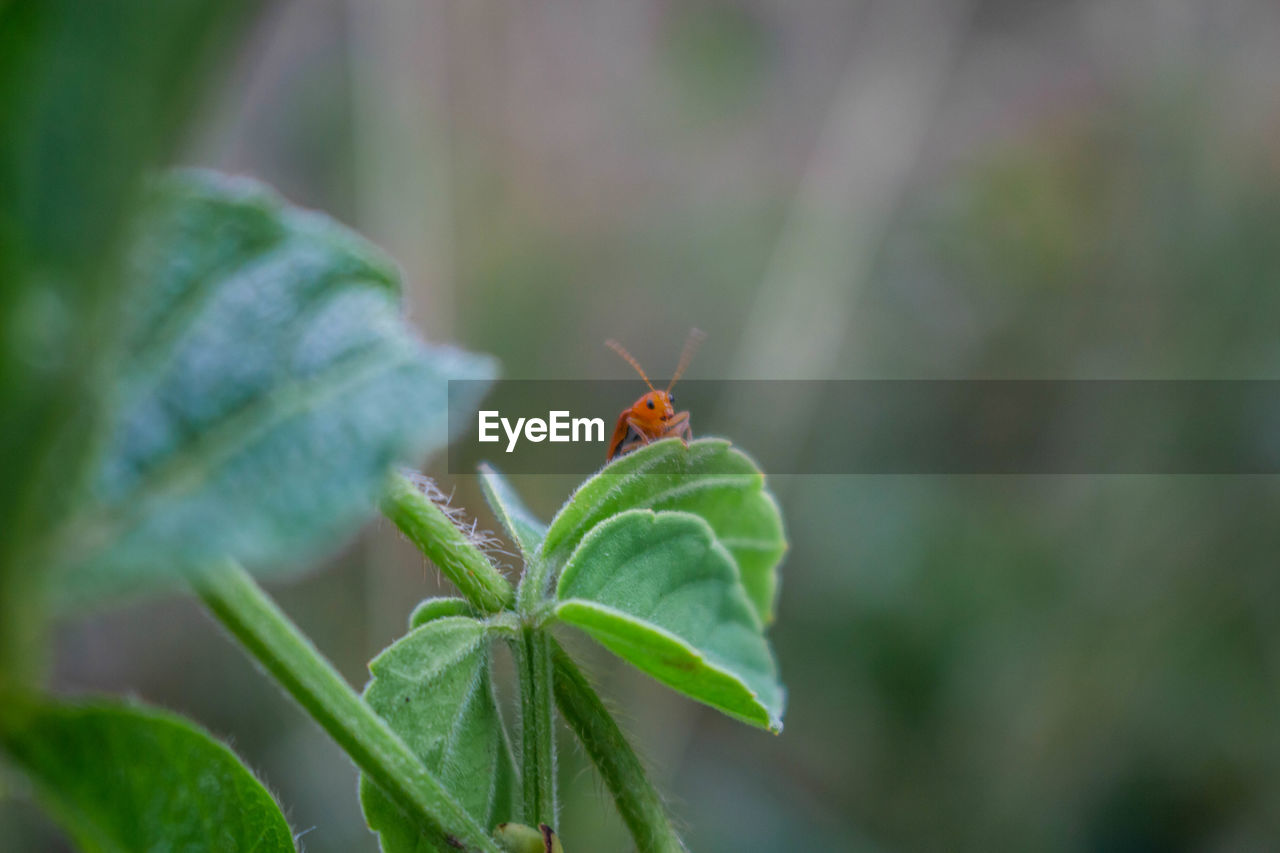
(696, 336)
(630, 359)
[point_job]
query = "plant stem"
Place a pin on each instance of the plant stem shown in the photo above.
(435, 534)
(638, 801)
(532, 591)
(291, 659)
(537, 737)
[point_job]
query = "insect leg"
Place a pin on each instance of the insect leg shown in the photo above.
(678, 427)
(636, 437)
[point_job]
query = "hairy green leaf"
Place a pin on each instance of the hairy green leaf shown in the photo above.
(660, 591)
(269, 384)
(122, 779)
(290, 658)
(433, 687)
(708, 478)
(523, 526)
(437, 608)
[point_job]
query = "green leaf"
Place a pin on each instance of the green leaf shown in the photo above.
(90, 96)
(708, 478)
(660, 591)
(433, 687)
(523, 526)
(430, 609)
(124, 779)
(291, 659)
(269, 384)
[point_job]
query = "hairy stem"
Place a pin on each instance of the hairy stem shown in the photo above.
(638, 801)
(290, 658)
(439, 538)
(537, 736)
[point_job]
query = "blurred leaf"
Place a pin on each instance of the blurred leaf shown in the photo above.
(523, 526)
(708, 478)
(718, 53)
(90, 96)
(125, 779)
(658, 590)
(433, 687)
(269, 384)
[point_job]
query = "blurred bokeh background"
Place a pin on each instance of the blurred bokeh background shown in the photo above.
(860, 189)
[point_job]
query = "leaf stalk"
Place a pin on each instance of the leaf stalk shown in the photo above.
(537, 738)
(435, 534)
(289, 657)
(638, 801)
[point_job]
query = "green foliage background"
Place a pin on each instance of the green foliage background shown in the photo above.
(982, 663)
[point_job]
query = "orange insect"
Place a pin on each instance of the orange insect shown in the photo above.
(652, 416)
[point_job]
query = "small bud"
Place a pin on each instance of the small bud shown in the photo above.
(518, 838)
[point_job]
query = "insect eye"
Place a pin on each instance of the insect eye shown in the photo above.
(650, 403)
